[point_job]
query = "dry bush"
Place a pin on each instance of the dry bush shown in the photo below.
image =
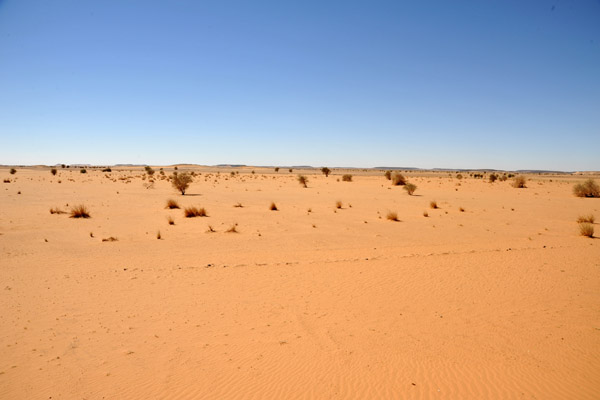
(6, 181)
(171, 204)
(433, 204)
(191, 212)
(398, 179)
(586, 229)
(273, 207)
(181, 181)
(326, 171)
(276, 169)
(459, 176)
(388, 175)
(149, 170)
(519, 182)
(503, 178)
(425, 214)
(586, 218)
(56, 210)
(80, 211)
(171, 221)
(107, 170)
(158, 235)
(53, 171)
(392, 216)
(110, 239)
(210, 229)
(410, 188)
(83, 171)
(493, 178)
(589, 188)
(302, 180)
(338, 204)
(13, 171)
(347, 178)
(238, 205)
(233, 229)
(461, 209)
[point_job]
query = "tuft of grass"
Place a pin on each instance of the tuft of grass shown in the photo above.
(425, 214)
(347, 178)
(80, 211)
(410, 188)
(192, 212)
(210, 229)
(233, 229)
(110, 239)
(586, 218)
(338, 204)
(53, 171)
(392, 216)
(171, 204)
(56, 210)
(398, 179)
(586, 229)
(519, 182)
(433, 204)
(238, 205)
(273, 207)
(158, 235)
(302, 180)
(171, 221)
(388, 175)
(461, 209)
(589, 188)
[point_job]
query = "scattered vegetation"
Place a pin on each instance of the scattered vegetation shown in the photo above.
(433, 204)
(80, 211)
(589, 188)
(192, 212)
(398, 179)
(326, 171)
(586, 229)
(587, 218)
(171, 204)
(392, 216)
(347, 178)
(410, 188)
(519, 182)
(53, 171)
(303, 180)
(273, 207)
(181, 181)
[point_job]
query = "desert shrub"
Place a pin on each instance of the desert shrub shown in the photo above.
(425, 214)
(398, 179)
(461, 209)
(589, 188)
(80, 211)
(53, 171)
(388, 175)
(233, 229)
(171, 204)
(273, 207)
(158, 235)
(433, 204)
(276, 169)
(511, 175)
(110, 239)
(149, 170)
(6, 181)
(326, 171)
(302, 180)
(338, 204)
(239, 205)
(290, 170)
(586, 229)
(503, 178)
(587, 218)
(13, 171)
(493, 178)
(347, 178)
(459, 176)
(107, 170)
(392, 216)
(171, 221)
(410, 188)
(56, 210)
(191, 212)
(181, 181)
(519, 182)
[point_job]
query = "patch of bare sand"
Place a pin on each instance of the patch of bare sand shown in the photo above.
(498, 301)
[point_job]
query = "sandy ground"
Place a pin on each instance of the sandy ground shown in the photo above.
(500, 301)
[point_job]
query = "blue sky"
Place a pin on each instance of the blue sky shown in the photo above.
(457, 84)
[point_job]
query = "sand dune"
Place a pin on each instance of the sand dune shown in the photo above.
(500, 300)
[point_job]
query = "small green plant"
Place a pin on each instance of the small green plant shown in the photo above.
(586, 229)
(398, 179)
(589, 188)
(347, 178)
(410, 188)
(80, 211)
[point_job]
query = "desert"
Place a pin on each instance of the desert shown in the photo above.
(347, 288)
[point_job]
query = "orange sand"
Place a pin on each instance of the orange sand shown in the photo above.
(499, 301)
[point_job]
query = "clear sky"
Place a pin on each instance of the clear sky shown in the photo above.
(458, 84)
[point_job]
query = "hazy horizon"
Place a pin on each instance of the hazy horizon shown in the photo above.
(501, 85)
